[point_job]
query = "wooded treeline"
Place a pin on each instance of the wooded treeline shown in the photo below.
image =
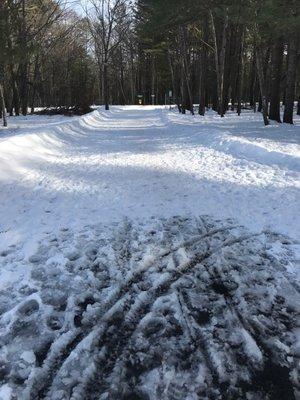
(219, 54)
(44, 57)
(223, 54)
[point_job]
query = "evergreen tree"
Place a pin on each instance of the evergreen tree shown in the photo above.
(219, 54)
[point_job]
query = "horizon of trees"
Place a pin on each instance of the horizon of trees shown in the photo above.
(218, 54)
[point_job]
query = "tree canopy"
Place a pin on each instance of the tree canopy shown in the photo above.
(219, 54)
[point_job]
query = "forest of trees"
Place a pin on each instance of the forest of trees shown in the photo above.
(225, 55)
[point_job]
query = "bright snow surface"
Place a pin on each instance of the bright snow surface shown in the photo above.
(66, 184)
(57, 171)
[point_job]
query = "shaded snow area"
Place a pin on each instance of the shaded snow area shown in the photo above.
(149, 255)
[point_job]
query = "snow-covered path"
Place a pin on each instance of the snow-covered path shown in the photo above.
(132, 161)
(125, 272)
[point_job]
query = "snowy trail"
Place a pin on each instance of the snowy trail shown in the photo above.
(112, 278)
(137, 161)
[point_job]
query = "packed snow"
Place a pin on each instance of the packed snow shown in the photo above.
(149, 255)
(131, 161)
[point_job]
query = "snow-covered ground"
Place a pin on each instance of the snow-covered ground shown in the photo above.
(71, 189)
(57, 172)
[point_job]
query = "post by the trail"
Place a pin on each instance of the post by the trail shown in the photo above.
(140, 99)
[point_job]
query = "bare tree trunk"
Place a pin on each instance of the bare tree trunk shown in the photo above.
(252, 82)
(100, 67)
(15, 104)
(254, 93)
(3, 104)
(240, 75)
(220, 60)
(240, 86)
(121, 81)
(24, 88)
(202, 83)
(34, 83)
(152, 79)
(105, 86)
(122, 97)
(259, 108)
(203, 70)
(132, 76)
(24, 64)
(262, 84)
(232, 53)
(277, 59)
(174, 81)
(233, 66)
(186, 69)
(290, 81)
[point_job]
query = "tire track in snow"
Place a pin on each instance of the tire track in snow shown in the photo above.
(192, 303)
